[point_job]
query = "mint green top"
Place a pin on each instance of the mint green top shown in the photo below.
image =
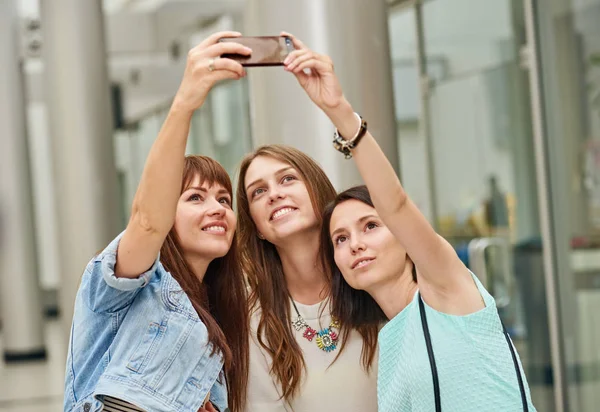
(475, 367)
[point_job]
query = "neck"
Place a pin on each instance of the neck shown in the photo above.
(393, 296)
(199, 266)
(304, 276)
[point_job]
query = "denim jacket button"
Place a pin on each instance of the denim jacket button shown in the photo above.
(87, 406)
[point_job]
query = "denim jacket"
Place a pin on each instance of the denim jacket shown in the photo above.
(139, 340)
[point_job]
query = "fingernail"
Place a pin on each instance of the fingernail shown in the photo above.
(286, 61)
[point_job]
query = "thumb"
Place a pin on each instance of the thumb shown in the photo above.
(302, 78)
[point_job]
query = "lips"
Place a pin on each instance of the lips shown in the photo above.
(281, 211)
(218, 228)
(360, 262)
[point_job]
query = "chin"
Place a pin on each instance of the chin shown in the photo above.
(366, 280)
(294, 228)
(220, 251)
(362, 285)
(213, 250)
(212, 254)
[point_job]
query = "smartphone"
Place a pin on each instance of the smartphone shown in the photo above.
(266, 50)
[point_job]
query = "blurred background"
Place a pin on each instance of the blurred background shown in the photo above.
(488, 109)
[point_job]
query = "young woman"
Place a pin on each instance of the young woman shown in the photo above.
(160, 318)
(294, 340)
(444, 347)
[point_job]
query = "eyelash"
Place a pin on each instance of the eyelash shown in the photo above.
(283, 180)
(371, 223)
(200, 198)
(336, 241)
(254, 194)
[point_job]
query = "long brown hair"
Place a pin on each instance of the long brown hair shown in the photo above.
(220, 300)
(355, 309)
(264, 272)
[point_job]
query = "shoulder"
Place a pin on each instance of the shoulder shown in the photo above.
(396, 327)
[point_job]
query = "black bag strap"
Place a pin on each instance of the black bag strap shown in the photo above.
(517, 369)
(434, 373)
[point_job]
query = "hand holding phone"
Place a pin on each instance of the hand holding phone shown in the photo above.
(266, 50)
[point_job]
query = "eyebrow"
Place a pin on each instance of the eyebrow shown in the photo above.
(362, 219)
(262, 179)
(204, 190)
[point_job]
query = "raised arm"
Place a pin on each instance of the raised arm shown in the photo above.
(155, 202)
(443, 278)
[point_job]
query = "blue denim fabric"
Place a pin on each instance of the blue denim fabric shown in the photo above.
(139, 340)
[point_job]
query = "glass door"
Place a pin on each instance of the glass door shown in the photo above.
(467, 156)
(569, 58)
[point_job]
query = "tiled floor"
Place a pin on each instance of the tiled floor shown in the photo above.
(36, 386)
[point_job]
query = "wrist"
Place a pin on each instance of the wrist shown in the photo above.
(344, 119)
(180, 108)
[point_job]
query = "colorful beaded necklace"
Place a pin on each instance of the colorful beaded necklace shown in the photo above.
(327, 339)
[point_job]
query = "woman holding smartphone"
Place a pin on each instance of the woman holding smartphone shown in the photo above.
(444, 347)
(160, 321)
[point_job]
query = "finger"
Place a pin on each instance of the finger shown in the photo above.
(214, 38)
(210, 65)
(221, 75)
(219, 49)
(296, 42)
(229, 65)
(210, 408)
(308, 55)
(302, 78)
(313, 64)
(294, 55)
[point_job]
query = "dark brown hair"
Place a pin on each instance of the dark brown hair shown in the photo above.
(262, 266)
(355, 309)
(220, 300)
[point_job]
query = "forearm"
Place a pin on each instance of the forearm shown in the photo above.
(155, 201)
(436, 260)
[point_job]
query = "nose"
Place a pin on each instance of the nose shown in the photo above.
(216, 208)
(356, 245)
(275, 194)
